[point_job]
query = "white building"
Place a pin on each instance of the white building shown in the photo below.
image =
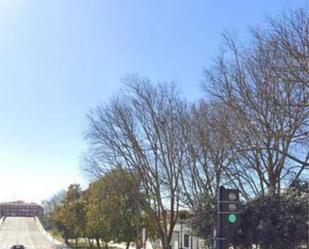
(182, 238)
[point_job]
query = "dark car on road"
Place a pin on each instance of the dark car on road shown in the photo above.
(17, 247)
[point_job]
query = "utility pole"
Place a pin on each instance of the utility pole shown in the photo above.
(181, 234)
(220, 236)
(138, 210)
(137, 225)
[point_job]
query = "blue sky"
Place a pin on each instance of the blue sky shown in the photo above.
(58, 58)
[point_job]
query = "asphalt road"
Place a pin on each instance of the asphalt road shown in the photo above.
(25, 231)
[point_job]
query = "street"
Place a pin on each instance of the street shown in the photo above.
(24, 231)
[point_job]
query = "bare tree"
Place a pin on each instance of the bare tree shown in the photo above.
(50, 205)
(265, 85)
(208, 151)
(53, 202)
(142, 131)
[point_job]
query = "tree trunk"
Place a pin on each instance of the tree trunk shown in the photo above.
(128, 244)
(98, 243)
(90, 242)
(76, 242)
(165, 244)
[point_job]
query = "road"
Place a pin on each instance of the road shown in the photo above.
(25, 231)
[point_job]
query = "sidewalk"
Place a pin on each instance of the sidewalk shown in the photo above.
(121, 245)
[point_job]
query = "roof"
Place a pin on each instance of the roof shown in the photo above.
(20, 203)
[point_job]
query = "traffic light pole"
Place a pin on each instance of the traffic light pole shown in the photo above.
(220, 237)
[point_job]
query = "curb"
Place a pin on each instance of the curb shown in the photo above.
(48, 236)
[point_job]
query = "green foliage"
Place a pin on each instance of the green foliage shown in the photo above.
(122, 203)
(113, 204)
(110, 209)
(275, 221)
(98, 224)
(69, 216)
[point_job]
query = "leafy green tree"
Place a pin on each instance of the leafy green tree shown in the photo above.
(271, 221)
(123, 197)
(275, 221)
(57, 221)
(112, 209)
(98, 225)
(69, 216)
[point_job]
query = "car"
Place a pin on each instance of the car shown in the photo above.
(17, 247)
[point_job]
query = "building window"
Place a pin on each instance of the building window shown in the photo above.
(186, 240)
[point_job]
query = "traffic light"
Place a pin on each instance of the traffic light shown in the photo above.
(229, 206)
(228, 214)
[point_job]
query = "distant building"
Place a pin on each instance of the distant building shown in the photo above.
(20, 208)
(183, 236)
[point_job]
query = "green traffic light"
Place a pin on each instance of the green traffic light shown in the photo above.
(232, 218)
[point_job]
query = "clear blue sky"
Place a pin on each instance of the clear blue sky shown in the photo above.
(58, 58)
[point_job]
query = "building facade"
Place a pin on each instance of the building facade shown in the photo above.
(20, 208)
(182, 238)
